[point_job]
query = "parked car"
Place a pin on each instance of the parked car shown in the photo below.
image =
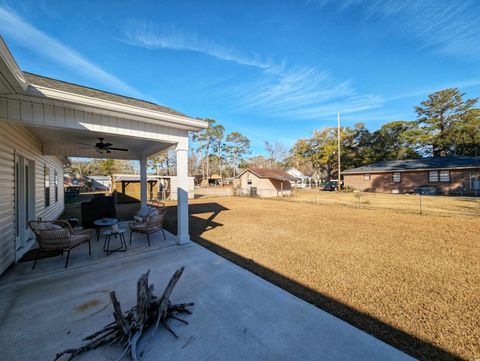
(426, 190)
(330, 186)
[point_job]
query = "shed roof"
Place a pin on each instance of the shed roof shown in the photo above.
(51, 83)
(453, 162)
(270, 173)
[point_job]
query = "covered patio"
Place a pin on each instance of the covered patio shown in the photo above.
(44, 121)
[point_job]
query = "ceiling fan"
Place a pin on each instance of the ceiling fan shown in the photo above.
(102, 147)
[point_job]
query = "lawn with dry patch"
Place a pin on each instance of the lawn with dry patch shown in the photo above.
(411, 280)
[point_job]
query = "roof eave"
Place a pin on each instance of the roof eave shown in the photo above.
(11, 76)
(83, 100)
(372, 171)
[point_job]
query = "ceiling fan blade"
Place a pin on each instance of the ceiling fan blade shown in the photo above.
(120, 149)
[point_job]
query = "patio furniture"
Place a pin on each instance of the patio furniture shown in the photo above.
(151, 224)
(102, 223)
(58, 236)
(108, 235)
(98, 207)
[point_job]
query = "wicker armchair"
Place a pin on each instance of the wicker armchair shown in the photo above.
(151, 225)
(58, 236)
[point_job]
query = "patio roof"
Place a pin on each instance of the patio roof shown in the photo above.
(237, 315)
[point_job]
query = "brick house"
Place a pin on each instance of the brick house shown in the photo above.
(447, 175)
(264, 182)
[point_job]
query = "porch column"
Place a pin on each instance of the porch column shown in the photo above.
(143, 181)
(182, 195)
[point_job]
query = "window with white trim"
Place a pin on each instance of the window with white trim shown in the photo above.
(55, 181)
(433, 176)
(366, 176)
(249, 182)
(46, 181)
(396, 177)
(444, 176)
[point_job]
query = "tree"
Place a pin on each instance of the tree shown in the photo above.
(161, 164)
(208, 140)
(394, 140)
(237, 145)
(355, 146)
(441, 116)
(258, 161)
(276, 152)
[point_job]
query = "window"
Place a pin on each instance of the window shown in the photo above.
(366, 176)
(249, 182)
(46, 179)
(444, 176)
(433, 176)
(396, 177)
(55, 181)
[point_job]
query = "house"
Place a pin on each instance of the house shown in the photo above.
(264, 182)
(301, 180)
(446, 175)
(126, 187)
(100, 183)
(44, 120)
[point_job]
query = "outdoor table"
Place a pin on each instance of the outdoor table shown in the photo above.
(102, 223)
(108, 235)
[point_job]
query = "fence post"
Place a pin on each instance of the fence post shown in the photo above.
(420, 202)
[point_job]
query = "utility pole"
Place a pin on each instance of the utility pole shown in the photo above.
(338, 152)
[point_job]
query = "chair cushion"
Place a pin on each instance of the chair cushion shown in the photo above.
(143, 211)
(78, 239)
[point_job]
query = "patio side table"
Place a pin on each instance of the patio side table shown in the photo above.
(102, 223)
(108, 235)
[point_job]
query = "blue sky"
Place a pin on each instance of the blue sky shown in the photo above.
(273, 70)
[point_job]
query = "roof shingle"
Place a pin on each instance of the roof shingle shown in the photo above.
(420, 163)
(95, 93)
(271, 173)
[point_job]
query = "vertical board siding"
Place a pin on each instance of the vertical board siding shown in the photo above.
(18, 139)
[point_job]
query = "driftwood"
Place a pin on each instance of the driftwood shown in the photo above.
(128, 327)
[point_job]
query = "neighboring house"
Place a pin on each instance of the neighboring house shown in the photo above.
(75, 182)
(301, 180)
(100, 183)
(127, 187)
(43, 121)
(447, 175)
(264, 182)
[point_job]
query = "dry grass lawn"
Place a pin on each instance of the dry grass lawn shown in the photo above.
(400, 202)
(411, 280)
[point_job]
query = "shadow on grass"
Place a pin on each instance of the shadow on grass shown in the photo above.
(403, 341)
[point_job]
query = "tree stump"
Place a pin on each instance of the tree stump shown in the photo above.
(128, 327)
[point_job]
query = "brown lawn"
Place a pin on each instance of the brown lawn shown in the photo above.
(407, 203)
(411, 280)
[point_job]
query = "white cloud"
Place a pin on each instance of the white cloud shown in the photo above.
(32, 38)
(285, 91)
(148, 35)
(449, 26)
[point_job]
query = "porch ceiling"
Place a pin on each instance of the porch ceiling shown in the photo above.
(71, 143)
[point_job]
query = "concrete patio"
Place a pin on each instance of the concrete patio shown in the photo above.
(237, 315)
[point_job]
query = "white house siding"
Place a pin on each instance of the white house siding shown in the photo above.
(18, 139)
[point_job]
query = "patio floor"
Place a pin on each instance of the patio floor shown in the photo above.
(79, 256)
(237, 315)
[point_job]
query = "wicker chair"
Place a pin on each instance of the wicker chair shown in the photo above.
(58, 236)
(151, 225)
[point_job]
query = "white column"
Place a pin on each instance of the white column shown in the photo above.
(143, 181)
(182, 194)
